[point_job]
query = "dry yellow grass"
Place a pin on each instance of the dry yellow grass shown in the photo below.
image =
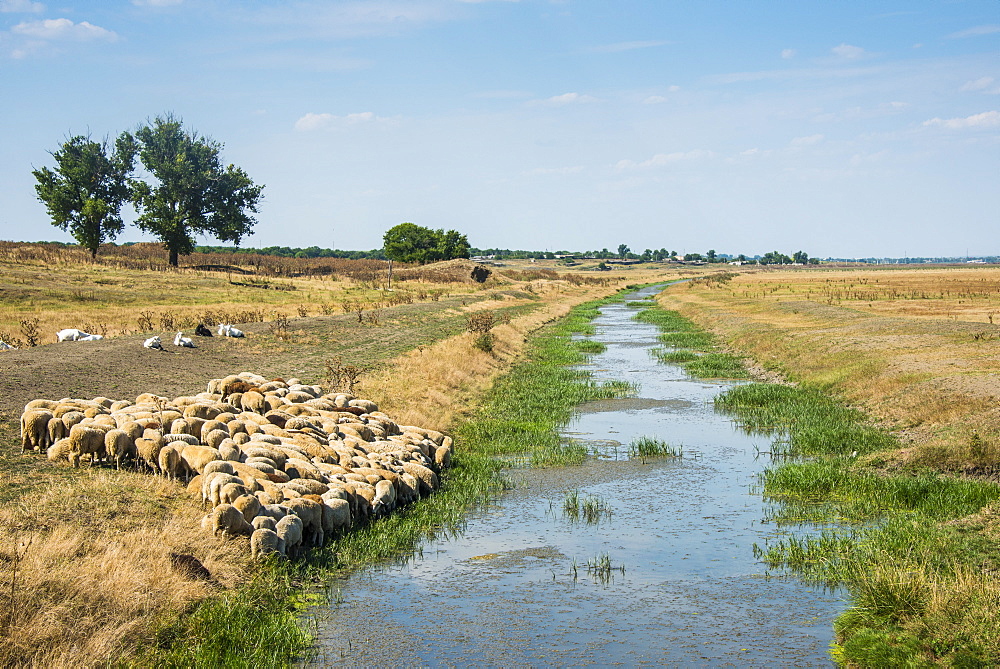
(86, 553)
(913, 346)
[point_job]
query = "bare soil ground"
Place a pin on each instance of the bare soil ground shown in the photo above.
(120, 368)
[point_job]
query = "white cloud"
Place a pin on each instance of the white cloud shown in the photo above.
(312, 121)
(626, 46)
(978, 85)
(654, 100)
(987, 119)
(662, 160)
(976, 31)
(809, 140)
(848, 52)
(788, 54)
(568, 99)
(63, 29)
(22, 6)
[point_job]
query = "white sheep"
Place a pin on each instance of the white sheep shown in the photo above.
(289, 530)
(227, 330)
(4, 346)
(70, 334)
(265, 541)
(182, 341)
(153, 343)
(91, 337)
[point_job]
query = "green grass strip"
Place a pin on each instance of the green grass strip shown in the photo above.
(260, 624)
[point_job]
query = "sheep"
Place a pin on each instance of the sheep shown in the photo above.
(70, 334)
(289, 530)
(249, 505)
(226, 330)
(265, 541)
(311, 513)
(196, 457)
(182, 341)
(4, 346)
(229, 520)
(35, 429)
(84, 440)
(202, 331)
(119, 446)
(336, 515)
(212, 484)
(385, 498)
(427, 478)
(91, 337)
(59, 450)
(169, 460)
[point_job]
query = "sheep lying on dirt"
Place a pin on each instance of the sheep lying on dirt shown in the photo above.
(279, 461)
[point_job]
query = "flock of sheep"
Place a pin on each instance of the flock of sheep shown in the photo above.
(280, 461)
(74, 334)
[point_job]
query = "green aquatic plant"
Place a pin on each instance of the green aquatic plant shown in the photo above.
(650, 447)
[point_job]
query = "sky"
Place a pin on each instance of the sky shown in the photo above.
(844, 129)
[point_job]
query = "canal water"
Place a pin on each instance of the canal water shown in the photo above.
(673, 580)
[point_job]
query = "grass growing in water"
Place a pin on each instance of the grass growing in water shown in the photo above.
(600, 567)
(923, 584)
(650, 447)
(590, 508)
(696, 348)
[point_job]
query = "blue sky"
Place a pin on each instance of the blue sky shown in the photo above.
(840, 128)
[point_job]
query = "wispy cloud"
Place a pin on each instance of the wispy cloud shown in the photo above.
(156, 3)
(662, 160)
(848, 52)
(312, 121)
(21, 6)
(976, 31)
(63, 29)
(567, 99)
(788, 54)
(988, 119)
(354, 18)
(627, 46)
(808, 140)
(984, 84)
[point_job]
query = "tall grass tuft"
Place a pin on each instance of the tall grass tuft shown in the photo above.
(650, 447)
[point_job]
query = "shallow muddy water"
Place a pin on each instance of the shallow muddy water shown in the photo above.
(683, 586)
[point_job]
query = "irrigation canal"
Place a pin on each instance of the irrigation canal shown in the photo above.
(683, 586)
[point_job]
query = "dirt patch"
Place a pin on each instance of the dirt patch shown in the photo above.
(120, 368)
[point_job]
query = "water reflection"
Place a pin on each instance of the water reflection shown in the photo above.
(667, 575)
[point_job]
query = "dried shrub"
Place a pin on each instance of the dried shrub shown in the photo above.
(145, 320)
(29, 328)
(339, 375)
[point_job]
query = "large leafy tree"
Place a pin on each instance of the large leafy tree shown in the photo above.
(193, 193)
(85, 191)
(409, 242)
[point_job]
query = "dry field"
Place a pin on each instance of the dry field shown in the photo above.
(85, 562)
(916, 347)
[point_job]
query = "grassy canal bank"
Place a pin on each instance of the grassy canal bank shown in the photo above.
(517, 421)
(912, 506)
